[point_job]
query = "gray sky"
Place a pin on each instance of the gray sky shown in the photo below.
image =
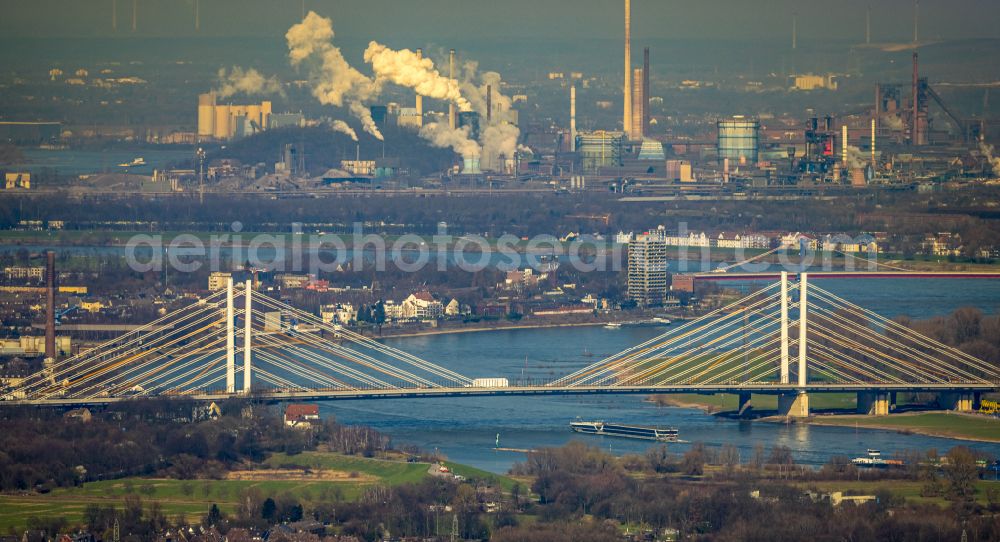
(467, 19)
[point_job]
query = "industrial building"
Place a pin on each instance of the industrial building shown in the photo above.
(739, 139)
(226, 121)
(600, 149)
(647, 269)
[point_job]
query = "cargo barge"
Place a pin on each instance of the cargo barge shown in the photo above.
(625, 431)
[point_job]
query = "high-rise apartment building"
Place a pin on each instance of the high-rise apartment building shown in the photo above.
(647, 269)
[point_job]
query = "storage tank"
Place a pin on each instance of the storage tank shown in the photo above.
(739, 138)
(206, 115)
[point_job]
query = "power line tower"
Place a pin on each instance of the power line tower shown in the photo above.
(454, 527)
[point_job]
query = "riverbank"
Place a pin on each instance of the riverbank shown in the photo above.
(946, 424)
(954, 425)
(449, 331)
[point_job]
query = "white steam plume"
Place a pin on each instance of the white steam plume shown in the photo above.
(406, 69)
(987, 151)
(499, 135)
(441, 135)
(362, 113)
(250, 82)
(334, 81)
(344, 128)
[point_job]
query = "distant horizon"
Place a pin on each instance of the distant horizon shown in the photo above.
(891, 20)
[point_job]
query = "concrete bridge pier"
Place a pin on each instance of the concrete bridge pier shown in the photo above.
(959, 401)
(874, 403)
(793, 405)
(744, 402)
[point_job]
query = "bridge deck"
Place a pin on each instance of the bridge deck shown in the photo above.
(523, 391)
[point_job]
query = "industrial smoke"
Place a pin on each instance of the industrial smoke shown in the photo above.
(987, 151)
(408, 69)
(500, 135)
(250, 82)
(342, 127)
(443, 136)
(333, 80)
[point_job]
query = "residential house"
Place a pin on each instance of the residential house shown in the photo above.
(301, 415)
(421, 306)
(340, 313)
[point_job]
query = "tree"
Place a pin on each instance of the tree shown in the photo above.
(961, 473)
(693, 463)
(269, 510)
(730, 457)
(214, 516)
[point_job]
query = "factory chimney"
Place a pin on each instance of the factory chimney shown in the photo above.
(489, 104)
(868, 25)
(795, 31)
(197, 15)
(915, 128)
(420, 99)
(572, 118)
(451, 74)
(50, 304)
(135, 10)
(873, 142)
(645, 90)
(627, 119)
(114, 15)
(843, 145)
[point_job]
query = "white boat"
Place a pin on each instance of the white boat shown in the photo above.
(140, 161)
(612, 325)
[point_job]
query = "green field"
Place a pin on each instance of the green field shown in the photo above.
(946, 424)
(192, 498)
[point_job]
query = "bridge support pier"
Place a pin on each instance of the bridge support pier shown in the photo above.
(744, 402)
(874, 403)
(959, 401)
(793, 405)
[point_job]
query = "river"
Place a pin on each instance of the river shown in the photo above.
(465, 429)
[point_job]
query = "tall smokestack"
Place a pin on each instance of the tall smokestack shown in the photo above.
(868, 25)
(873, 142)
(572, 118)
(489, 104)
(135, 11)
(114, 15)
(916, 21)
(197, 15)
(451, 74)
(795, 31)
(878, 100)
(627, 119)
(420, 99)
(50, 303)
(915, 129)
(645, 89)
(843, 145)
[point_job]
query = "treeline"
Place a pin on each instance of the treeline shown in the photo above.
(967, 328)
(741, 502)
(42, 449)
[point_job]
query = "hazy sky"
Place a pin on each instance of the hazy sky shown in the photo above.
(434, 20)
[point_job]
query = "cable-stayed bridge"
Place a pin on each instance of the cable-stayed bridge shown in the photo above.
(789, 339)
